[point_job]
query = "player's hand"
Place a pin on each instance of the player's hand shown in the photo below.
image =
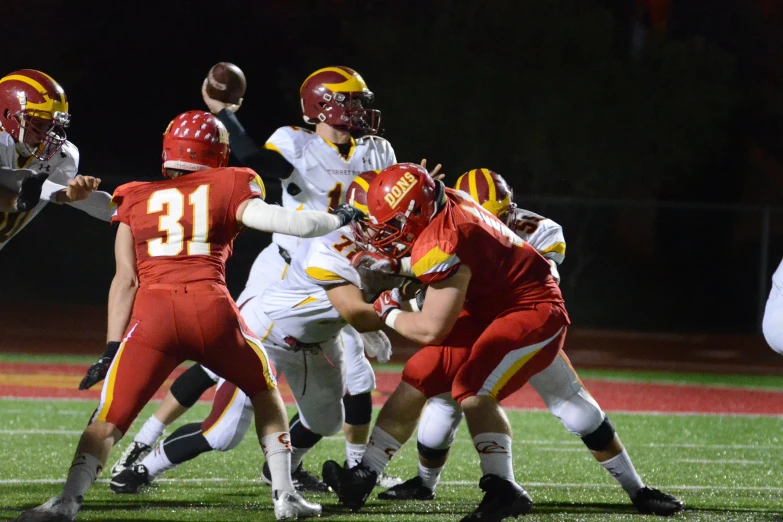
(435, 171)
(347, 213)
(215, 106)
(30, 191)
(97, 372)
(377, 344)
(78, 189)
(386, 302)
(375, 262)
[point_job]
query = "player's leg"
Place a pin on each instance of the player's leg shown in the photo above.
(182, 395)
(358, 401)
(133, 377)
(772, 324)
(512, 349)
(568, 400)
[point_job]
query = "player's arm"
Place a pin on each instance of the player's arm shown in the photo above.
(257, 214)
(347, 299)
(21, 189)
(268, 163)
(442, 305)
(124, 285)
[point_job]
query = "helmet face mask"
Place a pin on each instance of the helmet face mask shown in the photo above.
(40, 134)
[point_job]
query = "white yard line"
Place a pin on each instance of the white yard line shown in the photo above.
(719, 461)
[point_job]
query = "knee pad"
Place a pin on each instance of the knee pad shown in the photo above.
(432, 453)
(358, 409)
(191, 385)
(579, 413)
(186, 443)
(301, 437)
(599, 439)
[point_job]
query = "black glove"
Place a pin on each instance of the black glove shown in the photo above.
(30, 193)
(97, 372)
(346, 213)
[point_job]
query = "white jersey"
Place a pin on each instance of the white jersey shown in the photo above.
(541, 233)
(61, 168)
(298, 304)
(321, 174)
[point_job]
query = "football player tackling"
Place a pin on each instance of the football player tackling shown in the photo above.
(168, 301)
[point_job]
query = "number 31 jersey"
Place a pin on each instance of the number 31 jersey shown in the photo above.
(184, 228)
(321, 173)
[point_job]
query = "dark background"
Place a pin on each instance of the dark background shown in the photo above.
(651, 130)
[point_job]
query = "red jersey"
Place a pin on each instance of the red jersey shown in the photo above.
(184, 228)
(507, 273)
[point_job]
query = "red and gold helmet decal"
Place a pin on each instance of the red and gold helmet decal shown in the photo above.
(37, 92)
(487, 188)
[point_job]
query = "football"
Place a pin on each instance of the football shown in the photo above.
(226, 82)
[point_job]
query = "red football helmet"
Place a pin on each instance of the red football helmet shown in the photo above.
(340, 97)
(34, 111)
(402, 200)
(488, 189)
(195, 140)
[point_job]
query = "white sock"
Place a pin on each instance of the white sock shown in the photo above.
(494, 450)
(621, 468)
(84, 470)
(430, 476)
(380, 450)
(297, 454)
(151, 431)
(157, 462)
(354, 453)
(277, 450)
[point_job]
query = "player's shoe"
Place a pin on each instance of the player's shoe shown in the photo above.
(132, 454)
(352, 486)
(502, 499)
(57, 509)
(292, 506)
(651, 501)
(388, 481)
(131, 481)
(413, 489)
(303, 480)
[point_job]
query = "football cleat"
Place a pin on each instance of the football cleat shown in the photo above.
(388, 481)
(502, 499)
(303, 480)
(57, 509)
(353, 486)
(413, 489)
(292, 506)
(132, 454)
(131, 481)
(651, 501)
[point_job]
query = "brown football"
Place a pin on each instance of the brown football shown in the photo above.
(226, 82)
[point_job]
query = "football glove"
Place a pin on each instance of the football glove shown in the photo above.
(377, 345)
(30, 192)
(346, 213)
(386, 302)
(376, 262)
(97, 372)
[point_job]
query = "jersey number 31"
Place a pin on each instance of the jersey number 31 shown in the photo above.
(173, 242)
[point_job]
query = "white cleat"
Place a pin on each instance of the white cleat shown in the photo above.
(292, 506)
(57, 509)
(133, 454)
(387, 481)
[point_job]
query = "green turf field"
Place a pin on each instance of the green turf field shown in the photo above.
(723, 467)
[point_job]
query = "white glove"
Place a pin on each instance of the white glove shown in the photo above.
(377, 345)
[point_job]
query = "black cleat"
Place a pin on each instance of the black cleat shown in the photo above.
(502, 499)
(132, 480)
(133, 454)
(413, 489)
(651, 501)
(303, 480)
(353, 486)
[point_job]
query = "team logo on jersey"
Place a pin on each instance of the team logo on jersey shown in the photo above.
(400, 189)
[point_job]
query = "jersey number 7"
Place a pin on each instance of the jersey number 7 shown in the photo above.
(173, 242)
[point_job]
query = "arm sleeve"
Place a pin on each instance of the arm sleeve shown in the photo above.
(267, 162)
(97, 204)
(276, 219)
(435, 261)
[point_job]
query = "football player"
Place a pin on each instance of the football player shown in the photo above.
(558, 385)
(168, 301)
(33, 118)
(302, 318)
(772, 323)
(315, 168)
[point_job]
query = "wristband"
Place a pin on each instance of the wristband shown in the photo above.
(391, 317)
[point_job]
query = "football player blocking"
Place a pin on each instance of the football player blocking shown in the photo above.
(173, 240)
(315, 169)
(481, 347)
(38, 165)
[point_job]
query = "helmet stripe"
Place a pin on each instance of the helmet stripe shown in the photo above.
(472, 185)
(57, 105)
(351, 84)
(491, 184)
(59, 89)
(362, 183)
